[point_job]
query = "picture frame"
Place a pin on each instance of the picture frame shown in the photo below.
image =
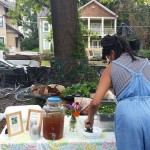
(34, 116)
(14, 123)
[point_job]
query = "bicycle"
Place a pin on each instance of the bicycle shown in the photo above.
(13, 92)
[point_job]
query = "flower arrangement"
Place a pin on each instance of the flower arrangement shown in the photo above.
(72, 110)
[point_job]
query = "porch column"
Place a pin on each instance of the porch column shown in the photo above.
(102, 32)
(89, 35)
(40, 36)
(115, 26)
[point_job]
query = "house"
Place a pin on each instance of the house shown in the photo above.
(125, 30)
(9, 34)
(44, 31)
(96, 18)
(99, 20)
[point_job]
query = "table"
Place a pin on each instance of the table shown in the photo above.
(70, 141)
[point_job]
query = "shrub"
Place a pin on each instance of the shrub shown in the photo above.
(2, 47)
(47, 55)
(35, 50)
(144, 53)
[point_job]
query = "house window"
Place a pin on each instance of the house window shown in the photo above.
(46, 44)
(17, 40)
(46, 26)
(1, 40)
(1, 21)
(96, 44)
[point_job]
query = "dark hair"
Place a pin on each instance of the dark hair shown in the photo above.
(118, 44)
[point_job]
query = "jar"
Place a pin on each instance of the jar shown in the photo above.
(53, 119)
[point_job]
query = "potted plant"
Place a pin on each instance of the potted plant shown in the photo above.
(80, 89)
(106, 111)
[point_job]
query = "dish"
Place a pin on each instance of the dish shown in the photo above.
(96, 132)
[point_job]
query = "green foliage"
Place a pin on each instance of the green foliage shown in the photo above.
(84, 31)
(83, 89)
(31, 32)
(144, 53)
(82, 2)
(2, 47)
(35, 49)
(46, 55)
(134, 14)
(24, 7)
(25, 16)
(81, 73)
(79, 52)
(107, 108)
(50, 36)
(45, 63)
(29, 44)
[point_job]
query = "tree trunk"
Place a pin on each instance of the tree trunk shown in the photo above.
(65, 25)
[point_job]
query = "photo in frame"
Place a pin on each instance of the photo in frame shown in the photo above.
(34, 117)
(14, 123)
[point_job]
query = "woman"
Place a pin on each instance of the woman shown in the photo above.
(130, 78)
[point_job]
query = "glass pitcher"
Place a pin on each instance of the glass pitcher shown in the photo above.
(53, 119)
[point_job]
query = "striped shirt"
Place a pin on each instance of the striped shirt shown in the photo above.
(121, 77)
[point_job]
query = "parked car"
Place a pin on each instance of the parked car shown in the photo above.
(10, 73)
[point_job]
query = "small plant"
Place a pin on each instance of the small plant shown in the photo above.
(73, 111)
(82, 89)
(107, 108)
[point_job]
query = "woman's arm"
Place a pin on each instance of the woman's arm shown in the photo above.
(103, 86)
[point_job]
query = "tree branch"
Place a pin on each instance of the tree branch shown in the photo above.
(41, 3)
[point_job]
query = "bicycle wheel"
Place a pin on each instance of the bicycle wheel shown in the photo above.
(22, 95)
(6, 92)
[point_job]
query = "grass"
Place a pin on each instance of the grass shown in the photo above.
(45, 63)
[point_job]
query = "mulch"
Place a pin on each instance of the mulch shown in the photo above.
(2, 124)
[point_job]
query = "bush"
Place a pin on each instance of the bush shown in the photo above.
(35, 50)
(144, 53)
(47, 55)
(82, 73)
(29, 44)
(2, 47)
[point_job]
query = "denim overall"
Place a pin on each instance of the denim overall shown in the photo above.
(132, 119)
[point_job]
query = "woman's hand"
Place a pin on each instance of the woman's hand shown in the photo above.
(88, 124)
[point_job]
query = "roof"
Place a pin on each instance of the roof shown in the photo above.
(7, 4)
(124, 30)
(99, 4)
(44, 13)
(11, 28)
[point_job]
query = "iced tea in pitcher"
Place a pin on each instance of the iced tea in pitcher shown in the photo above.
(53, 119)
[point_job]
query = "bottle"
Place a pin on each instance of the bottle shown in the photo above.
(35, 133)
(53, 119)
(34, 130)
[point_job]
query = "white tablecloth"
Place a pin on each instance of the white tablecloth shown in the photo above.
(70, 141)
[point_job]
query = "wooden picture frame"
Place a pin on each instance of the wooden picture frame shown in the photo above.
(14, 123)
(34, 115)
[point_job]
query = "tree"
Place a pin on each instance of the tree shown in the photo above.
(65, 27)
(29, 26)
(64, 22)
(136, 15)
